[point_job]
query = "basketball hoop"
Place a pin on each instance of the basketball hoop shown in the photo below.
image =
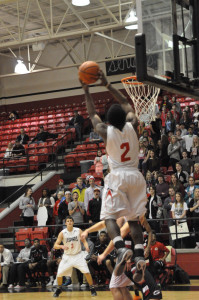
(144, 98)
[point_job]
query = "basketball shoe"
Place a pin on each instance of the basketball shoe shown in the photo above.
(140, 269)
(123, 254)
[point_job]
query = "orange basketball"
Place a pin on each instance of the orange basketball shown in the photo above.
(88, 72)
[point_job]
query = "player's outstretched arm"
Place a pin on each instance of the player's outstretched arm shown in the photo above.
(96, 227)
(58, 242)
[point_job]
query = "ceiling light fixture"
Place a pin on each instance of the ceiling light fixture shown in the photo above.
(131, 17)
(80, 2)
(20, 67)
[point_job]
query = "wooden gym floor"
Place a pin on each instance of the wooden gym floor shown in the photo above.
(173, 292)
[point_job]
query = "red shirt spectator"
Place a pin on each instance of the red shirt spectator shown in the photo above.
(158, 250)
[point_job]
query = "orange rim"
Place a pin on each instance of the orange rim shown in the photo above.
(125, 80)
(164, 76)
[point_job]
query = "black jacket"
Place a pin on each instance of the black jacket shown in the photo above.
(43, 136)
(79, 119)
(25, 139)
(38, 255)
(94, 208)
(63, 210)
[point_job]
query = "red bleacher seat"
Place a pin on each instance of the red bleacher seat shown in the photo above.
(81, 148)
(170, 171)
(79, 157)
(70, 160)
(92, 169)
(92, 155)
(167, 178)
(51, 146)
(98, 175)
(92, 146)
(34, 163)
(101, 145)
(41, 233)
(84, 175)
(21, 165)
(44, 157)
(72, 185)
(21, 235)
(32, 151)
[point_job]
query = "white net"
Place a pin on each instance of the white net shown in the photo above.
(144, 98)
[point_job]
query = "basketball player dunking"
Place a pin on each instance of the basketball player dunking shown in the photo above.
(73, 256)
(124, 191)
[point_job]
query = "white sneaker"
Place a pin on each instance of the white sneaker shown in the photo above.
(74, 286)
(55, 282)
(50, 283)
(84, 285)
(19, 288)
(11, 286)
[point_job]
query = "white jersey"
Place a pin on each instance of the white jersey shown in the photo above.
(72, 240)
(122, 147)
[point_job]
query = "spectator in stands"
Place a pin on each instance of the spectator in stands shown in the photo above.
(185, 119)
(13, 115)
(23, 138)
(168, 202)
(161, 153)
(6, 259)
(145, 135)
(194, 209)
(180, 140)
(42, 136)
(149, 180)
(195, 150)
(181, 175)
(187, 163)
(52, 264)
(49, 203)
(98, 162)
(27, 205)
(60, 188)
(189, 191)
(177, 104)
(176, 115)
(89, 193)
(76, 209)
(158, 255)
(15, 269)
(151, 163)
(188, 140)
(105, 269)
(162, 188)
(94, 136)
(63, 207)
(94, 207)
(80, 189)
(18, 150)
(176, 184)
(170, 123)
(183, 129)
(76, 122)
(156, 127)
(141, 155)
(55, 213)
(196, 173)
(141, 128)
(154, 209)
(8, 152)
(165, 102)
(196, 114)
(174, 152)
(105, 162)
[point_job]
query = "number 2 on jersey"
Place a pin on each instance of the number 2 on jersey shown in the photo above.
(124, 154)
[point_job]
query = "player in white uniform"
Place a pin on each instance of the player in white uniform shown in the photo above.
(125, 188)
(73, 256)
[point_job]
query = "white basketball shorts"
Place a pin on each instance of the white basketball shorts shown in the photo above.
(124, 194)
(69, 262)
(119, 281)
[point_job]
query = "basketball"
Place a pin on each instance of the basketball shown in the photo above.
(88, 72)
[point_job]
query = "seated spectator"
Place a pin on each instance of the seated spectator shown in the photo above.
(194, 209)
(55, 213)
(162, 188)
(151, 163)
(158, 255)
(186, 163)
(196, 114)
(18, 150)
(76, 209)
(37, 263)
(76, 122)
(174, 152)
(188, 140)
(49, 203)
(183, 129)
(154, 209)
(156, 127)
(168, 202)
(27, 205)
(196, 173)
(149, 180)
(165, 102)
(52, 264)
(94, 136)
(13, 115)
(6, 259)
(80, 189)
(60, 188)
(8, 152)
(105, 162)
(141, 154)
(195, 150)
(105, 269)
(15, 269)
(176, 184)
(179, 210)
(63, 207)
(189, 191)
(89, 192)
(94, 207)
(23, 138)
(175, 114)
(173, 101)
(98, 162)
(185, 119)
(42, 136)
(182, 176)
(169, 123)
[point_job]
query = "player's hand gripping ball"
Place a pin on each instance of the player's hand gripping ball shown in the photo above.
(89, 72)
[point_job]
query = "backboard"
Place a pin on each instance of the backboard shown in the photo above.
(167, 45)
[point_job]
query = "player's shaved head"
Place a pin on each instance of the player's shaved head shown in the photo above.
(116, 116)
